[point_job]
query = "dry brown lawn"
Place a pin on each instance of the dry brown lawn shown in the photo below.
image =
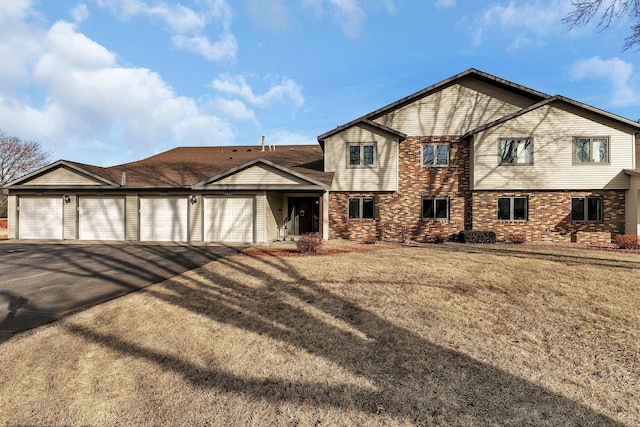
(432, 335)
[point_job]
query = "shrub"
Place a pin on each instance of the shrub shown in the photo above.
(369, 240)
(626, 241)
(515, 238)
(309, 243)
(476, 236)
(439, 237)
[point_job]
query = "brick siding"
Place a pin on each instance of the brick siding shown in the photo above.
(397, 215)
(549, 216)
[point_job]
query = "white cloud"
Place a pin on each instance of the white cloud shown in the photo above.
(234, 109)
(351, 15)
(348, 13)
(283, 137)
(80, 13)
(270, 14)
(521, 23)
(19, 40)
(615, 71)
(445, 3)
(90, 98)
(288, 91)
(224, 49)
(188, 26)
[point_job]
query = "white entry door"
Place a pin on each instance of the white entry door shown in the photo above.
(228, 219)
(101, 218)
(40, 218)
(163, 219)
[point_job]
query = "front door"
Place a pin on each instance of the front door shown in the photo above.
(304, 214)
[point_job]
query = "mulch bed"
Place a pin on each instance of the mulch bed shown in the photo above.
(330, 247)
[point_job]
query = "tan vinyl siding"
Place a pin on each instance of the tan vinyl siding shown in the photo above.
(195, 220)
(261, 174)
(273, 215)
(131, 206)
(553, 130)
(12, 214)
(61, 177)
(70, 218)
(383, 176)
(455, 110)
(260, 201)
(632, 206)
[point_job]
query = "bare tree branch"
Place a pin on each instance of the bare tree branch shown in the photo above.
(17, 158)
(584, 11)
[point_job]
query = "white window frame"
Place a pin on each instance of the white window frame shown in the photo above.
(435, 146)
(519, 155)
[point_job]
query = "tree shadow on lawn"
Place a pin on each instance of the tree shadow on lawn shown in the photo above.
(415, 380)
(589, 256)
(81, 276)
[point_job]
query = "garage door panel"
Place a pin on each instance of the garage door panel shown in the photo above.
(229, 219)
(163, 219)
(40, 218)
(101, 218)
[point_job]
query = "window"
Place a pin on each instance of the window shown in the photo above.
(361, 154)
(586, 209)
(591, 150)
(512, 208)
(361, 208)
(435, 208)
(435, 154)
(516, 151)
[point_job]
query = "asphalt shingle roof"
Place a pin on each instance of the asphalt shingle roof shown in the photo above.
(186, 166)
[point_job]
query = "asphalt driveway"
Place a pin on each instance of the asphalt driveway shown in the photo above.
(40, 283)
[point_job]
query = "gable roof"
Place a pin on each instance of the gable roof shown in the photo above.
(184, 167)
(86, 170)
(550, 100)
(255, 162)
(535, 95)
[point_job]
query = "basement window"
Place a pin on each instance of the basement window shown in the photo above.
(586, 209)
(512, 208)
(435, 208)
(361, 207)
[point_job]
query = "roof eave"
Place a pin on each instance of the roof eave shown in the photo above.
(59, 163)
(207, 182)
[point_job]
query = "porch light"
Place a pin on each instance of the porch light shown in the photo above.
(193, 199)
(67, 198)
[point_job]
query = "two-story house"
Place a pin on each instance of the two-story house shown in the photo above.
(471, 152)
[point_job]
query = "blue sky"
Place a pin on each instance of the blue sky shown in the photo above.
(112, 81)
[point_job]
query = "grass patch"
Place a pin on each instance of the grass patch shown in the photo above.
(446, 334)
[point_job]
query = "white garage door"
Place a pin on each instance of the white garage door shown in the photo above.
(40, 218)
(101, 218)
(163, 219)
(228, 219)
